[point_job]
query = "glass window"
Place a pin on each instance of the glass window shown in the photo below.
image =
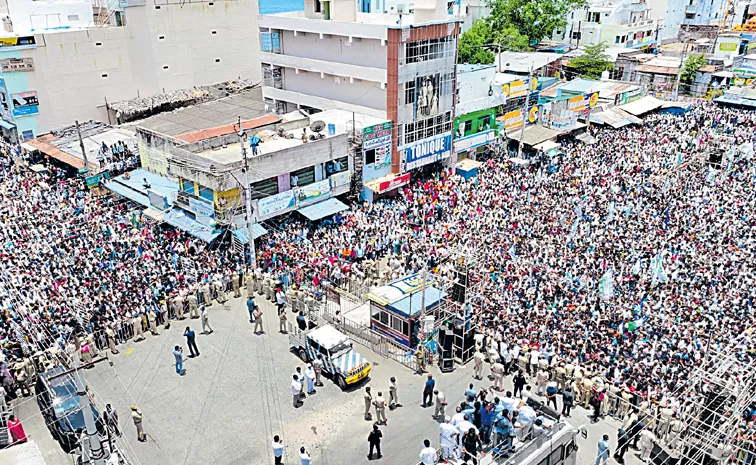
(370, 157)
(545, 461)
(397, 324)
(338, 165)
(264, 188)
(187, 186)
(409, 92)
(484, 123)
(421, 129)
(303, 177)
(384, 318)
(205, 192)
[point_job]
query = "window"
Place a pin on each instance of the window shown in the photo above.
(447, 84)
(205, 192)
(484, 123)
(422, 129)
(264, 188)
(409, 92)
(544, 461)
(429, 49)
(337, 166)
(690, 16)
(304, 176)
(397, 324)
(187, 186)
(317, 6)
(370, 157)
(73, 17)
(616, 39)
(575, 35)
(272, 77)
(270, 42)
(383, 318)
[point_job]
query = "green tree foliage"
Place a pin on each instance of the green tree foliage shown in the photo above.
(534, 19)
(692, 65)
(593, 62)
(470, 43)
(513, 25)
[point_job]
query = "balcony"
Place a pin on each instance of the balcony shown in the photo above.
(638, 6)
(323, 27)
(690, 8)
(325, 67)
(318, 102)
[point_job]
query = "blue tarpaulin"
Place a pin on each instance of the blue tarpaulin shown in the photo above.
(323, 209)
(177, 218)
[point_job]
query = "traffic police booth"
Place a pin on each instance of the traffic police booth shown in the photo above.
(396, 309)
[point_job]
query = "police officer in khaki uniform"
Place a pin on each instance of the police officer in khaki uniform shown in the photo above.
(561, 374)
(191, 301)
(21, 377)
(480, 357)
(178, 302)
(137, 324)
(153, 322)
(368, 397)
(235, 284)
(380, 409)
(110, 336)
(206, 295)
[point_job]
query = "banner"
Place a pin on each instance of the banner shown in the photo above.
(25, 103)
(428, 151)
(201, 207)
(513, 120)
(10, 65)
(519, 88)
(94, 181)
(577, 104)
(378, 138)
(394, 183)
(426, 96)
(340, 179)
(312, 192)
(157, 201)
(275, 203)
(10, 42)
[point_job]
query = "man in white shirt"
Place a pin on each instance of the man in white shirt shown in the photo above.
(296, 389)
(428, 454)
(448, 440)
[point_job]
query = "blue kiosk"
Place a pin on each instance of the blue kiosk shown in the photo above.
(396, 309)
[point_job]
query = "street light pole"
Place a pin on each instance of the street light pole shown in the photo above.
(525, 113)
(92, 452)
(247, 197)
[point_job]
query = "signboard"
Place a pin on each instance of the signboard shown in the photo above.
(426, 96)
(94, 181)
(201, 207)
(10, 65)
(428, 151)
(513, 120)
(25, 103)
(128, 3)
(275, 203)
(728, 47)
(340, 179)
(378, 138)
(577, 104)
(474, 141)
(629, 96)
(313, 192)
(519, 88)
(10, 42)
(157, 201)
(394, 183)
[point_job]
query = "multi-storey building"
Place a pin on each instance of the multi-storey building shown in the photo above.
(726, 13)
(618, 23)
(62, 74)
(398, 67)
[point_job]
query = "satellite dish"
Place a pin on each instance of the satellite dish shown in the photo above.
(317, 126)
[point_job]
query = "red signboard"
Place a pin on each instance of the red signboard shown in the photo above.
(394, 183)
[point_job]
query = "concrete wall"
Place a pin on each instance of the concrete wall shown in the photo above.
(363, 93)
(361, 52)
(163, 49)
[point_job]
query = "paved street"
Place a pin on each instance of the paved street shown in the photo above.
(236, 396)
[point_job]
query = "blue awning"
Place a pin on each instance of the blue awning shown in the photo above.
(257, 230)
(177, 218)
(323, 209)
(127, 192)
(6, 125)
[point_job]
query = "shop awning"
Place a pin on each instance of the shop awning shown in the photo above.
(178, 219)
(534, 135)
(323, 209)
(547, 145)
(641, 106)
(615, 117)
(154, 214)
(28, 147)
(586, 138)
(257, 230)
(128, 192)
(6, 125)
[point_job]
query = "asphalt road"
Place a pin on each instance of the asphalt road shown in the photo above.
(235, 397)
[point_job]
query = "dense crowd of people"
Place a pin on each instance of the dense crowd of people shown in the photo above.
(627, 260)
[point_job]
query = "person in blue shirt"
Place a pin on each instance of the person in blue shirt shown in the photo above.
(487, 413)
(603, 450)
(470, 394)
(178, 353)
(193, 350)
(503, 440)
(251, 308)
(428, 391)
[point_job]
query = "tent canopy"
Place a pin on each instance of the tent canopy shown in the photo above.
(643, 105)
(534, 135)
(323, 209)
(547, 145)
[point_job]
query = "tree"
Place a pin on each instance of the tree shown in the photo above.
(533, 19)
(692, 65)
(471, 42)
(593, 62)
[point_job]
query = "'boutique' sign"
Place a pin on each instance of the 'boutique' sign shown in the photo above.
(428, 151)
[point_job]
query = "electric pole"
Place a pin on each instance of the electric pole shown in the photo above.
(679, 73)
(92, 452)
(247, 197)
(525, 112)
(81, 144)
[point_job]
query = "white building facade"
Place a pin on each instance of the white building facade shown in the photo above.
(619, 23)
(54, 78)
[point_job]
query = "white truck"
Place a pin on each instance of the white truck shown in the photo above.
(341, 362)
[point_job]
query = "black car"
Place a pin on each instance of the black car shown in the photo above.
(60, 406)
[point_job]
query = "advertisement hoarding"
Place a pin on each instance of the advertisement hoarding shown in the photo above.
(341, 179)
(428, 151)
(25, 103)
(378, 138)
(474, 141)
(313, 192)
(10, 65)
(275, 203)
(394, 183)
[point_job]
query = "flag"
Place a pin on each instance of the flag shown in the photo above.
(606, 285)
(539, 176)
(666, 186)
(633, 325)
(512, 253)
(710, 175)
(636, 269)
(658, 275)
(573, 231)
(679, 158)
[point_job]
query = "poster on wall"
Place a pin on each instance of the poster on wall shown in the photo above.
(314, 191)
(275, 203)
(4, 101)
(426, 96)
(10, 65)
(25, 103)
(378, 138)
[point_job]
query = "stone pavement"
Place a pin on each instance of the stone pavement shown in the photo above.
(235, 397)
